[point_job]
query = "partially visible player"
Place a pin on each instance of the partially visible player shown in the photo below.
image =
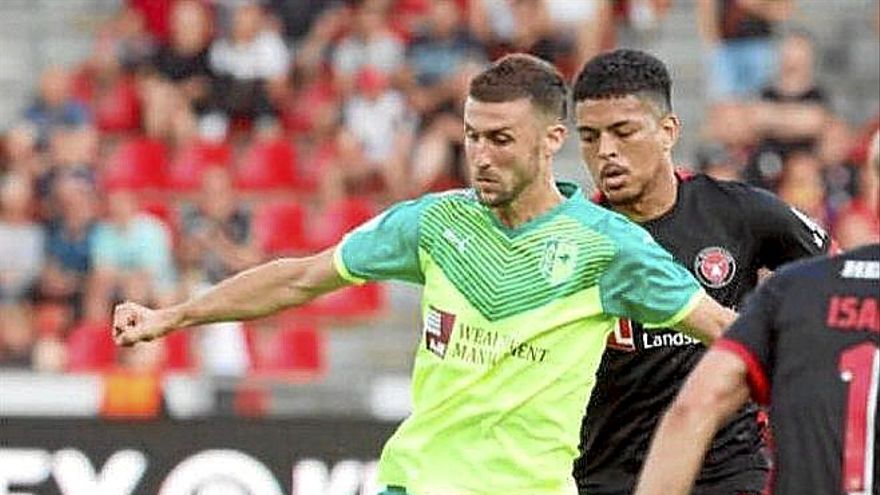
(523, 281)
(807, 345)
(724, 232)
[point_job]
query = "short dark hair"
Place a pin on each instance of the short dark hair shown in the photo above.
(622, 73)
(518, 76)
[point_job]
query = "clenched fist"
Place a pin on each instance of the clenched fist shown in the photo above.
(133, 323)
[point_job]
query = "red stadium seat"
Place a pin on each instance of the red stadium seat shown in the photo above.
(280, 228)
(268, 165)
(193, 159)
(137, 164)
(117, 109)
(295, 347)
(177, 352)
(339, 218)
(90, 348)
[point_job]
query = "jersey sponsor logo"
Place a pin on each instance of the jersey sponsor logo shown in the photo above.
(559, 262)
(866, 270)
(473, 344)
(622, 338)
(438, 329)
(715, 267)
(460, 243)
(486, 347)
(668, 339)
(820, 237)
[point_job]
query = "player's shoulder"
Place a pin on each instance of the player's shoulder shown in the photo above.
(741, 200)
(860, 263)
(610, 225)
(463, 197)
(702, 184)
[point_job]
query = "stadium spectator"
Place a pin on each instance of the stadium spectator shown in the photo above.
(216, 231)
(377, 116)
(126, 35)
(729, 133)
(438, 48)
(54, 106)
(858, 223)
(21, 260)
(298, 16)
(131, 255)
(792, 113)
(738, 35)
(72, 152)
(637, 22)
(110, 91)
(802, 186)
(21, 240)
(20, 151)
(577, 31)
(840, 171)
(179, 89)
(438, 156)
(371, 43)
(70, 236)
(250, 68)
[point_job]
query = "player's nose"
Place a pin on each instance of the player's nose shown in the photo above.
(607, 146)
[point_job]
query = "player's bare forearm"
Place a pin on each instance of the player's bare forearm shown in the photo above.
(714, 391)
(253, 293)
(262, 290)
(707, 321)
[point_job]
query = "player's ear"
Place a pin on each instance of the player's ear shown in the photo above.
(554, 138)
(670, 129)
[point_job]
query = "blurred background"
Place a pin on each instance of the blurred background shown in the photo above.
(150, 148)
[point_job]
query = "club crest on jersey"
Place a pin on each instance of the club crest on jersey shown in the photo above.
(438, 329)
(715, 267)
(559, 262)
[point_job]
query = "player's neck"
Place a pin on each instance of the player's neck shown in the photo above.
(655, 202)
(534, 201)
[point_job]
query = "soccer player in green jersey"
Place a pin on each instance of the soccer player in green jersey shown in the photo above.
(523, 280)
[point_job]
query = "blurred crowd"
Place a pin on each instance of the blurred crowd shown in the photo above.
(201, 137)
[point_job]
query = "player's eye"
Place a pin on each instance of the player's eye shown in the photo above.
(588, 137)
(501, 140)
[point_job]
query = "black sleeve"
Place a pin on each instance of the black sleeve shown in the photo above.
(753, 335)
(783, 233)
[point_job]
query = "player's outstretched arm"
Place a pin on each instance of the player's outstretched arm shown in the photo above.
(253, 293)
(716, 389)
(707, 321)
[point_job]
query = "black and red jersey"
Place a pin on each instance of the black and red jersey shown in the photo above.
(724, 232)
(810, 337)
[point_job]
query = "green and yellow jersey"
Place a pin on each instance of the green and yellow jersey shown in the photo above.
(514, 326)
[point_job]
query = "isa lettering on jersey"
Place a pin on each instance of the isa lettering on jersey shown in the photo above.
(438, 330)
(714, 267)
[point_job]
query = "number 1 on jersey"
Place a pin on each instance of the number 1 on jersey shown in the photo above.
(859, 366)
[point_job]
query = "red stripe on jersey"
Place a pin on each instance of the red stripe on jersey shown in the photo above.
(683, 174)
(756, 375)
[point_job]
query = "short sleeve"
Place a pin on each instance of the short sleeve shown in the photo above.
(644, 283)
(751, 335)
(784, 233)
(384, 248)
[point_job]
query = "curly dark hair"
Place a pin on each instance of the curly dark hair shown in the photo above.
(622, 73)
(518, 76)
